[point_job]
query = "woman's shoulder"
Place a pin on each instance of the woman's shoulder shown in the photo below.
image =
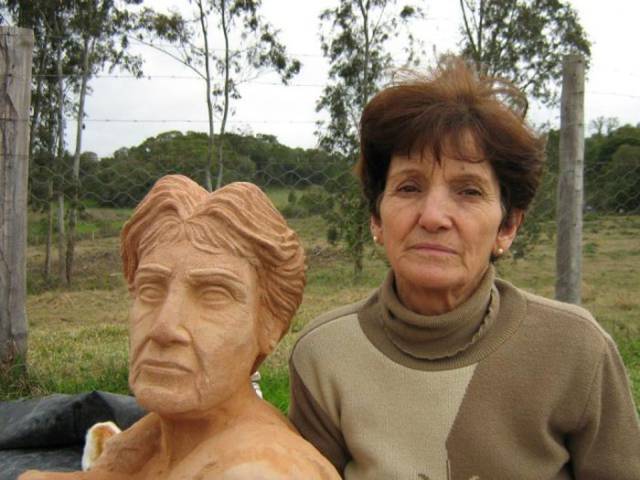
(334, 319)
(331, 336)
(558, 318)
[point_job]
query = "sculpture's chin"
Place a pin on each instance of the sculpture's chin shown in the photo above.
(166, 402)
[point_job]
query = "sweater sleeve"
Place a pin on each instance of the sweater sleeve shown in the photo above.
(314, 424)
(606, 444)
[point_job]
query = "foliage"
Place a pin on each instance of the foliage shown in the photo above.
(539, 222)
(611, 176)
(355, 38)
(612, 170)
(623, 179)
(123, 179)
(523, 41)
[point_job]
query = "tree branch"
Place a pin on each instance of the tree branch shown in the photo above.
(174, 56)
(474, 49)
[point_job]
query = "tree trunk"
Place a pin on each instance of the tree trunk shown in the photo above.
(46, 271)
(62, 264)
(36, 104)
(365, 91)
(16, 47)
(475, 52)
(35, 118)
(209, 161)
(367, 43)
(225, 112)
(75, 199)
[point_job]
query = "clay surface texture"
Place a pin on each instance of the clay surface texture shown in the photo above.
(215, 279)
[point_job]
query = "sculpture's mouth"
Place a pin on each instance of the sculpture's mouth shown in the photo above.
(163, 365)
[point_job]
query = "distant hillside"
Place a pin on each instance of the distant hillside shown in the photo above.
(123, 179)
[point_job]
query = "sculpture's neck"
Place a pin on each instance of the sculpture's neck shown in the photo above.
(181, 435)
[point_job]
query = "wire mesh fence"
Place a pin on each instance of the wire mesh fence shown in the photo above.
(305, 184)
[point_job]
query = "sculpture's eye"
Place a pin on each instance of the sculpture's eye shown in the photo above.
(150, 292)
(215, 295)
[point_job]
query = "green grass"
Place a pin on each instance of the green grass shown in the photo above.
(93, 223)
(78, 335)
(275, 387)
(280, 196)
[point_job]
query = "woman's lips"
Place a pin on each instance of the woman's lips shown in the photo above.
(434, 248)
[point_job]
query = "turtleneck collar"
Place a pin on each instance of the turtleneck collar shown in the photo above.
(456, 339)
(433, 337)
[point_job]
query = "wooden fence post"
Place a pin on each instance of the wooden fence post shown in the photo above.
(570, 183)
(16, 50)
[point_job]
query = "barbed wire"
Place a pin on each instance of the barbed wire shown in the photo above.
(176, 77)
(258, 82)
(155, 120)
(612, 94)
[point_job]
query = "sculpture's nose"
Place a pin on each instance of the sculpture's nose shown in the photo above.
(167, 326)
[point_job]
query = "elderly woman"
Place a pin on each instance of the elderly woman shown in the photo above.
(447, 372)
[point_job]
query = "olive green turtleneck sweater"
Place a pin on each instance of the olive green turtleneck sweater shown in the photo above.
(506, 386)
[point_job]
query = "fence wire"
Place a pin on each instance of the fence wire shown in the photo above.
(304, 185)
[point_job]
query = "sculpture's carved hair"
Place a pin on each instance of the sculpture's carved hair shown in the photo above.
(238, 218)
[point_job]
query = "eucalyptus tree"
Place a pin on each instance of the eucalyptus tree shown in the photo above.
(232, 43)
(523, 41)
(75, 40)
(356, 38)
(100, 29)
(52, 82)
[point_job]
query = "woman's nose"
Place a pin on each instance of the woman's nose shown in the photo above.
(435, 211)
(167, 326)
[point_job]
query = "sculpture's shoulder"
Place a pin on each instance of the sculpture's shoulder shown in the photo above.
(267, 450)
(91, 475)
(128, 451)
(258, 470)
(272, 465)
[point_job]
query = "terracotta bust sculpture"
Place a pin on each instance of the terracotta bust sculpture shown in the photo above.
(215, 279)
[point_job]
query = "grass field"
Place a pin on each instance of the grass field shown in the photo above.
(78, 335)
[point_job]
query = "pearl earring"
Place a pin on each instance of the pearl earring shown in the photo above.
(375, 238)
(500, 251)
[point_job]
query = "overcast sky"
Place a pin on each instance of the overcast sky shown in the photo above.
(123, 112)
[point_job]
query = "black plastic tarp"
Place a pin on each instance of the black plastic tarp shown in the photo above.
(48, 433)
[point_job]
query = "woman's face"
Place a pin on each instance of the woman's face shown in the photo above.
(439, 224)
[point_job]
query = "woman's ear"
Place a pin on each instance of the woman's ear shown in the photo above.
(508, 230)
(375, 224)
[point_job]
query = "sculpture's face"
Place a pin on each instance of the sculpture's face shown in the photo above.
(193, 330)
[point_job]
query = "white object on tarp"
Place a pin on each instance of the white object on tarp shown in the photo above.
(255, 381)
(95, 440)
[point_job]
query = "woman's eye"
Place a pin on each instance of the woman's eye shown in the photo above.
(471, 192)
(150, 293)
(407, 188)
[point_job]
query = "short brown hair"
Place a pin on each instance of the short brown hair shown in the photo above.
(239, 218)
(435, 113)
